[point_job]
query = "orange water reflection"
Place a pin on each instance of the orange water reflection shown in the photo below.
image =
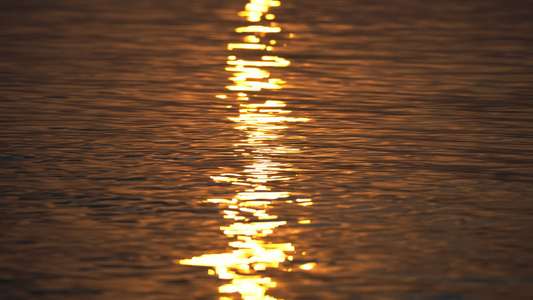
(263, 124)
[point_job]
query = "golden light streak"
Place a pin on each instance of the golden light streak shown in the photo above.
(262, 124)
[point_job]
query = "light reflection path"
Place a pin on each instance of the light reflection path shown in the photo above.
(263, 124)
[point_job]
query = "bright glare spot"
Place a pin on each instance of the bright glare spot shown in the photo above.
(232, 46)
(258, 29)
(251, 39)
(308, 266)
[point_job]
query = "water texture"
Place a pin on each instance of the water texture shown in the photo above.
(390, 158)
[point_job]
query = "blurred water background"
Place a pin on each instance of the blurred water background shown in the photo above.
(417, 152)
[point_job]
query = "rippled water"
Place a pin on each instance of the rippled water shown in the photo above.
(388, 157)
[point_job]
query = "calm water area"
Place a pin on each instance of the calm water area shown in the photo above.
(293, 149)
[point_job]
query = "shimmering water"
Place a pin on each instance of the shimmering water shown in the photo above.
(369, 150)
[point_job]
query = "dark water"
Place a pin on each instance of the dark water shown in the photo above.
(393, 161)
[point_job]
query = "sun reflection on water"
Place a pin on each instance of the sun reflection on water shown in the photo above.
(263, 124)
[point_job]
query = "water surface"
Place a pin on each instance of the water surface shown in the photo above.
(392, 158)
